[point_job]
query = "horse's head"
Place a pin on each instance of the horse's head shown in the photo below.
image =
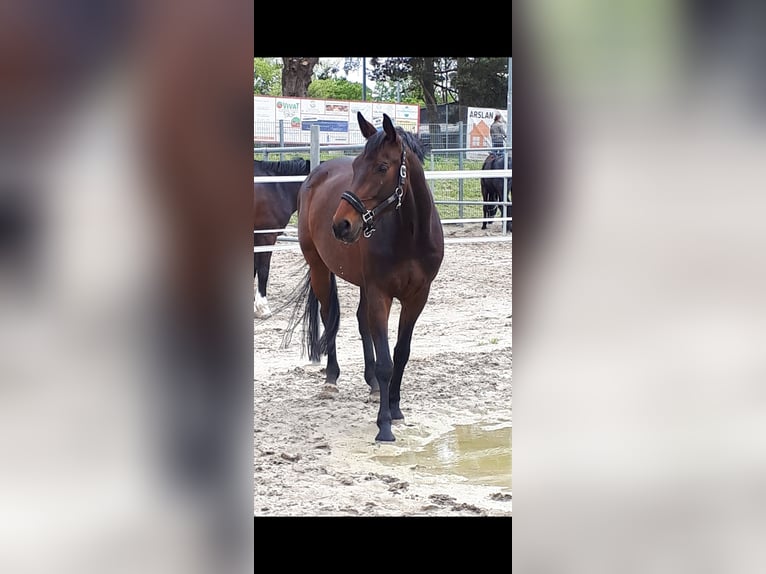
(379, 181)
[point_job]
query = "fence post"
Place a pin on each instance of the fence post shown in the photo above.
(460, 166)
(281, 138)
(314, 154)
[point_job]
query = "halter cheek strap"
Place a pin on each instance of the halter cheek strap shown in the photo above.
(368, 215)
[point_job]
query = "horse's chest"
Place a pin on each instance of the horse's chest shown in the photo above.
(403, 279)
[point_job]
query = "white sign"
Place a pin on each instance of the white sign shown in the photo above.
(477, 130)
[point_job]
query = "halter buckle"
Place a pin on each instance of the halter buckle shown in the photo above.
(368, 227)
(399, 193)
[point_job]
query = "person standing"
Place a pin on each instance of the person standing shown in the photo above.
(498, 135)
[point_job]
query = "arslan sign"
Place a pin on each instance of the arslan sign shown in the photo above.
(477, 130)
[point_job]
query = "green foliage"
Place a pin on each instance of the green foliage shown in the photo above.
(479, 82)
(482, 82)
(388, 90)
(267, 77)
(335, 89)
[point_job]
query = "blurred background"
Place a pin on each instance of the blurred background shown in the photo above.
(639, 395)
(125, 363)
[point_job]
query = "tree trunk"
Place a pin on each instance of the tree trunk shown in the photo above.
(296, 76)
(427, 79)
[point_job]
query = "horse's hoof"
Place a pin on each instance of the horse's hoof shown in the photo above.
(261, 311)
(328, 392)
(396, 412)
(397, 421)
(385, 435)
(374, 397)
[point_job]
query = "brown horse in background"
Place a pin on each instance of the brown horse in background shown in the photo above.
(373, 222)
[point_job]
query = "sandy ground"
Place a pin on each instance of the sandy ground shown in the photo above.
(317, 456)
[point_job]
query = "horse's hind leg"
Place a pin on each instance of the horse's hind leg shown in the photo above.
(326, 291)
(262, 263)
(411, 310)
(367, 346)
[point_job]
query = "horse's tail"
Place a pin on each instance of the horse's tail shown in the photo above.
(298, 301)
(306, 310)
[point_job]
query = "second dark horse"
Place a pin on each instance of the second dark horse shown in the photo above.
(273, 205)
(492, 190)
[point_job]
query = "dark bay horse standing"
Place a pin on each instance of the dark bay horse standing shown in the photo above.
(273, 205)
(492, 189)
(372, 221)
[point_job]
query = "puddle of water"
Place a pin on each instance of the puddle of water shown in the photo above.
(482, 454)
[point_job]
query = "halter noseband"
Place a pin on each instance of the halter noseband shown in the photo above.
(368, 215)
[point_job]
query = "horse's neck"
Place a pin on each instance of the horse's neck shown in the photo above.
(422, 201)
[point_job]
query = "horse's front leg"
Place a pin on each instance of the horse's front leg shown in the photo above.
(411, 310)
(378, 310)
(262, 264)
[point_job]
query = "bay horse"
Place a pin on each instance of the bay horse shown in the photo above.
(372, 221)
(273, 206)
(492, 189)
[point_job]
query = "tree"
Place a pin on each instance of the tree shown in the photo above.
(335, 89)
(482, 82)
(479, 82)
(397, 90)
(426, 79)
(416, 74)
(330, 68)
(267, 77)
(296, 76)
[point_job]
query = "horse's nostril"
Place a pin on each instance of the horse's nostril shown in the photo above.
(340, 229)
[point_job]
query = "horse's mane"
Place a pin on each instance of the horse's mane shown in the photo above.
(298, 166)
(412, 141)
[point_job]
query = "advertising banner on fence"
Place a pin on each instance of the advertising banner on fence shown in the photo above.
(477, 130)
(336, 119)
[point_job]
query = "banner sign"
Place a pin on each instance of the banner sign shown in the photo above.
(477, 130)
(336, 119)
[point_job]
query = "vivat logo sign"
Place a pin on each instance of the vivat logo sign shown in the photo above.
(288, 106)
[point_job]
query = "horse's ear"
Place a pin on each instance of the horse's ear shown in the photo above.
(388, 127)
(367, 128)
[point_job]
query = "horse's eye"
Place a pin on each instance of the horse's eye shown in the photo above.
(382, 168)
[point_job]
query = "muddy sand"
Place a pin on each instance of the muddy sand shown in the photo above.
(314, 452)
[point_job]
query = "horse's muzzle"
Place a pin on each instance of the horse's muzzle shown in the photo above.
(343, 231)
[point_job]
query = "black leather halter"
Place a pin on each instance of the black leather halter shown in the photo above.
(368, 215)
